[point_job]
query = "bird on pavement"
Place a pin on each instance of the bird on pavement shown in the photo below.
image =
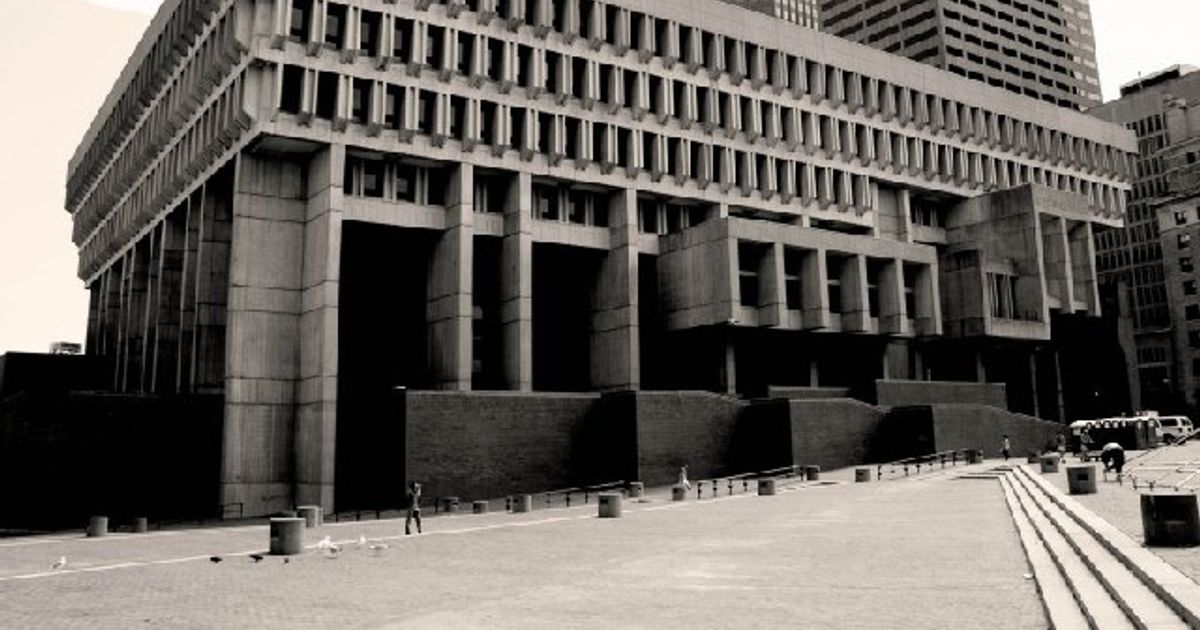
(215, 559)
(256, 557)
(378, 547)
(362, 541)
(61, 564)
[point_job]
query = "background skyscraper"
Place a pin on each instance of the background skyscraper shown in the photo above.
(1040, 48)
(802, 12)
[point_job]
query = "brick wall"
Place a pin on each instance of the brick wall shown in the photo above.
(477, 445)
(977, 426)
(889, 393)
(832, 433)
(115, 455)
(690, 427)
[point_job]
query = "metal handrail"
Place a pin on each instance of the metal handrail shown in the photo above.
(785, 471)
(940, 457)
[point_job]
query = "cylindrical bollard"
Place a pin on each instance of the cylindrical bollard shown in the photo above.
(311, 515)
(636, 489)
(1081, 479)
(812, 473)
(678, 493)
(766, 487)
(449, 504)
(523, 503)
(1049, 463)
(1171, 520)
(610, 505)
(862, 475)
(287, 536)
(479, 507)
(141, 525)
(97, 526)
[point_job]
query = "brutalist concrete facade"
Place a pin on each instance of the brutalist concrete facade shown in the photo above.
(301, 204)
(1043, 49)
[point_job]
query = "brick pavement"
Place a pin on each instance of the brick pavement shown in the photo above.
(1119, 504)
(934, 552)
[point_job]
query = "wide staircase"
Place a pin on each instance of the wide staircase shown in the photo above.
(1090, 574)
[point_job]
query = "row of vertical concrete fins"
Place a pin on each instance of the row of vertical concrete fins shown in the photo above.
(1084, 581)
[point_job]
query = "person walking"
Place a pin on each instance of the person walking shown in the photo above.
(1085, 445)
(1061, 441)
(413, 500)
(1005, 447)
(683, 478)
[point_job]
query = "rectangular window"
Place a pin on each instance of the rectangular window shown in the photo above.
(406, 182)
(301, 15)
(1189, 287)
(792, 266)
(1192, 312)
(293, 88)
(545, 202)
(335, 21)
(1194, 338)
(749, 257)
(1185, 264)
(327, 88)
(1184, 239)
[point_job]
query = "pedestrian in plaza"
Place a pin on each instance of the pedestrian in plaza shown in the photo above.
(1061, 441)
(413, 503)
(1004, 448)
(1085, 445)
(683, 479)
(1113, 457)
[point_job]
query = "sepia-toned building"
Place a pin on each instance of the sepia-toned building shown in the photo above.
(802, 12)
(301, 204)
(1043, 49)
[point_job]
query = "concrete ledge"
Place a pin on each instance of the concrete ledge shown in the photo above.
(1175, 588)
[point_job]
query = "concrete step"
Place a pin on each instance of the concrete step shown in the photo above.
(1174, 588)
(1058, 600)
(1090, 594)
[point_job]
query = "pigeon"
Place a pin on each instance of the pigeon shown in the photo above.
(331, 552)
(378, 547)
(215, 559)
(256, 557)
(325, 543)
(287, 560)
(61, 564)
(362, 541)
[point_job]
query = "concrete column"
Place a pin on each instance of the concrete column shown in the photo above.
(772, 302)
(212, 283)
(893, 312)
(928, 318)
(516, 285)
(904, 214)
(149, 315)
(980, 370)
(135, 315)
(449, 306)
(184, 368)
(1033, 382)
(728, 362)
(317, 375)
(856, 313)
(814, 275)
(1083, 272)
(1058, 389)
(165, 352)
(266, 260)
(1057, 261)
(615, 356)
(93, 319)
(814, 373)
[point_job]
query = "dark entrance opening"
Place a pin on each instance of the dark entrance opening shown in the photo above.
(563, 281)
(381, 345)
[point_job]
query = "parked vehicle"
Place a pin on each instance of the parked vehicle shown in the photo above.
(1175, 427)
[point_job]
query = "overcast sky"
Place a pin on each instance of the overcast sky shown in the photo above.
(58, 59)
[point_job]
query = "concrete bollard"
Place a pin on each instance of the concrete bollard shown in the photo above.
(311, 514)
(1034, 458)
(449, 504)
(766, 487)
(97, 527)
(862, 475)
(1081, 479)
(636, 489)
(479, 507)
(523, 503)
(974, 456)
(678, 493)
(141, 525)
(812, 473)
(1171, 520)
(287, 536)
(1049, 463)
(610, 505)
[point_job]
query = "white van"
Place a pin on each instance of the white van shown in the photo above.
(1174, 428)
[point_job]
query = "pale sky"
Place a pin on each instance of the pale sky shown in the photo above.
(58, 59)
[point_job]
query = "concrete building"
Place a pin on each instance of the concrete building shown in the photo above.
(1134, 256)
(802, 12)
(300, 204)
(1043, 49)
(1177, 211)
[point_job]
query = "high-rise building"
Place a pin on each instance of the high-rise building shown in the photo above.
(300, 204)
(1135, 256)
(803, 12)
(1043, 49)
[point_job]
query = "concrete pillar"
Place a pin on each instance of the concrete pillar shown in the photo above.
(516, 285)
(980, 370)
(772, 302)
(728, 362)
(149, 315)
(264, 301)
(856, 313)
(1083, 271)
(212, 283)
(615, 357)
(814, 373)
(904, 212)
(893, 312)
(449, 306)
(317, 375)
(135, 316)
(184, 367)
(814, 276)
(1057, 261)
(1033, 382)
(168, 293)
